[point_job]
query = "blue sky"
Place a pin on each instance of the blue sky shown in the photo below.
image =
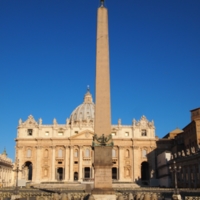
(47, 59)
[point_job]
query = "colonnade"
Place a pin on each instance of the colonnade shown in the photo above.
(190, 176)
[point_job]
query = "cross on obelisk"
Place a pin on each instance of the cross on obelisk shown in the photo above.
(102, 122)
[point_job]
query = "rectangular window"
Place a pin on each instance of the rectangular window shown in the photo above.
(126, 134)
(144, 132)
(87, 153)
(60, 134)
(30, 131)
(46, 133)
(113, 153)
(76, 132)
(113, 134)
(60, 153)
(28, 153)
(144, 153)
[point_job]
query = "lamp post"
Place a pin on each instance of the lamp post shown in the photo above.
(175, 169)
(17, 170)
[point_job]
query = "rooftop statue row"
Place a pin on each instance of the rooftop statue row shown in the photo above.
(32, 122)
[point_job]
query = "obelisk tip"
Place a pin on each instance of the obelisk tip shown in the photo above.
(102, 3)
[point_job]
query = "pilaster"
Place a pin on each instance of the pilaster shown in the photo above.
(80, 177)
(53, 164)
(121, 163)
(136, 163)
(67, 163)
(71, 170)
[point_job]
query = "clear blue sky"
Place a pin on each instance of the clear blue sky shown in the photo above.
(47, 59)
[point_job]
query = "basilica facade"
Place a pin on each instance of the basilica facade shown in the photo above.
(63, 152)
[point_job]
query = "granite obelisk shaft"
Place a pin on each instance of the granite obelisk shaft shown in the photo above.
(102, 121)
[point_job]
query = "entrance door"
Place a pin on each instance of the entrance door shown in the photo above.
(114, 173)
(28, 171)
(145, 172)
(75, 176)
(60, 173)
(87, 172)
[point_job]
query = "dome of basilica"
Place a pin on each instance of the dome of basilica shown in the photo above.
(85, 111)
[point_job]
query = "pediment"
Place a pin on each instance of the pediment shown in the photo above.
(86, 134)
(30, 122)
(144, 123)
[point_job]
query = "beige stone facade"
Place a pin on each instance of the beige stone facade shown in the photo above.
(63, 152)
(6, 170)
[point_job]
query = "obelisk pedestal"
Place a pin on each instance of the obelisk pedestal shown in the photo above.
(102, 170)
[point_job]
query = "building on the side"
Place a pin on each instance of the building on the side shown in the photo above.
(163, 169)
(63, 152)
(6, 170)
(185, 151)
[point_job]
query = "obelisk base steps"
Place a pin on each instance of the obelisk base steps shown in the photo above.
(104, 197)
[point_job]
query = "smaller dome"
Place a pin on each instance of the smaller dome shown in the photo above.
(85, 111)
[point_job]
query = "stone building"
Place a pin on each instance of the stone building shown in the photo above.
(184, 147)
(63, 152)
(163, 169)
(6, 173)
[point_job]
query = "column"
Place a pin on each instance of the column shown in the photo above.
(66, 163)
(189, 177)
(133, 170)
(136, 163)
(92, 173)
(121, 161)
(53, 164)
(71, 170)
(184, 179)
(80, 175)
(37, 166)
(195, 176)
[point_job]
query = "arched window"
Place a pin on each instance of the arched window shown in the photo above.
(127, 172)
(46, 153)
(60, 153)
(127, 153)
(28, 153)
(144, 153)
(76, 153)
(113, 153)
(144, 132)
(45, 172)
(87, 153)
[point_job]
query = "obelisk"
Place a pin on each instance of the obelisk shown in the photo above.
(102, 93)
(102, 122)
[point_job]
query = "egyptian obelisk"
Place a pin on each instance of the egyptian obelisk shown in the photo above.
(102, 93)
(102, 122)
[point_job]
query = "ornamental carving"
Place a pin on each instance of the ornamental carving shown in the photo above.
(30, 122)
(102, 140)
(143, 122)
